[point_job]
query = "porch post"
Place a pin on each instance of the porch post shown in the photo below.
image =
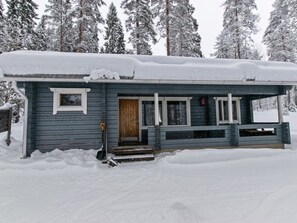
(157, 124)
(230, 109)
(280, 109)
(156, 109)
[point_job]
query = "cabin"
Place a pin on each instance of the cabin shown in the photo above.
(165, 103)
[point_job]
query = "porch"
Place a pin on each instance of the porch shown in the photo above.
(176, 123)
(272, 135)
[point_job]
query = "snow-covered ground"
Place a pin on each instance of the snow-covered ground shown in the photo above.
(212, 186)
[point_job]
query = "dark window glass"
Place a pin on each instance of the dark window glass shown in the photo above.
(220, 111)
(148, 113)
(177, 112)
(70, 99)
(234, 107)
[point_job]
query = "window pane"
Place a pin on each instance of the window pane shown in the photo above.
(225, 109)
(177, 112)
(148, 113)
(70, 99)
(234, 107)
(220, 111)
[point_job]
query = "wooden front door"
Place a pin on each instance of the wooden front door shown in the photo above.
(129, 120)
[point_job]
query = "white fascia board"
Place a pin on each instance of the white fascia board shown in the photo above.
(152, 81)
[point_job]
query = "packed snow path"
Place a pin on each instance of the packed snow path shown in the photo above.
(211, 186)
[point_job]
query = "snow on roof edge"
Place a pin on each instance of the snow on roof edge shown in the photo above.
(25, 64)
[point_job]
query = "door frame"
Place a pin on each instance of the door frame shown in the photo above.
(139, 115)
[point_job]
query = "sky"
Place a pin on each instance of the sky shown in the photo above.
(209, 14)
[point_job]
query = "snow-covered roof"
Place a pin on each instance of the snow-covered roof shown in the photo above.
(153, 69)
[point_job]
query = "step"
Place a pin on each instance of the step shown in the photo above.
(133, 151)
(134, 158)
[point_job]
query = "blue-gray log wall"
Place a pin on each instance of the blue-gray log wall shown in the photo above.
(67, 130)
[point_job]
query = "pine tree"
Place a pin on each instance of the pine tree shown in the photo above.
(88, 18)
(176, 23)
(140, 24)
(114, 36)
(239, 24)
(21, 16)
(28, 15)
(221, 46)
(41, 40)
(279, 36)
(3, 30)
(196, 47)
(185, 40)
(60, 25)
(15, 38)
(163, 10)
(1, 10)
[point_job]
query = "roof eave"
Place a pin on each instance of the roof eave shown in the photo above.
(148, 81)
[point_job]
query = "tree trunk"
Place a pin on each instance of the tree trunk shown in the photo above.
(168, 28)
(138, 52)
(61, 28)
(237, 33)
(80, 31)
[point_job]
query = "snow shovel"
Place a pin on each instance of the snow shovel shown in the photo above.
(101, 154)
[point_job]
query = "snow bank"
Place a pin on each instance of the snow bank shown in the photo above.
(211, 156)
(69, 157)
(226, 186)
(145, 68)
(102, 74)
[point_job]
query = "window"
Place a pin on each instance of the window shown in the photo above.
(172, 111)
(148, 113)
(70, 99)
(176, 113)
(222, 110)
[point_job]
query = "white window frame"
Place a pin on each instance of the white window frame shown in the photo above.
(57, 94)
(220, 100)
(164, 114)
